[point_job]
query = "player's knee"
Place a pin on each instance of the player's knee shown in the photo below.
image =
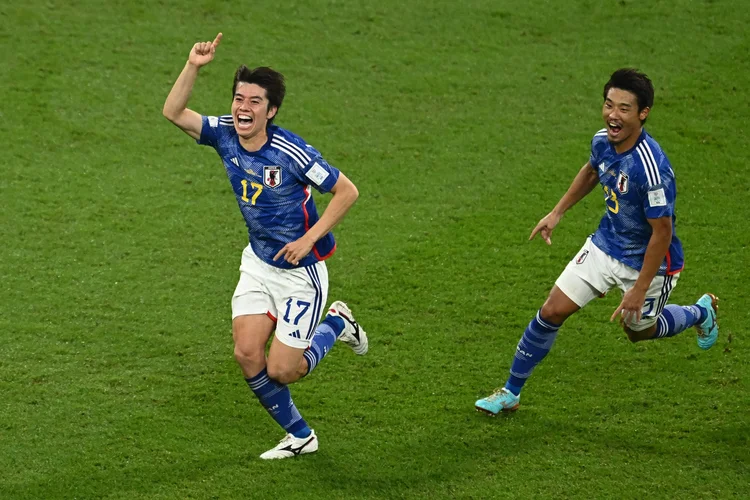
(282, 373)
(249, 358)
(552, 313)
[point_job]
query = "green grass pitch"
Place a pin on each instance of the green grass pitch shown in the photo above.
(461, 123)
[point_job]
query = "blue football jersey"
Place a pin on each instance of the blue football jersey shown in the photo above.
(272, 187)
(638, 185)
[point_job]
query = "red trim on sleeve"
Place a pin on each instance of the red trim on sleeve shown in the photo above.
(307, 228)
(669, 264)
(324, 257)
(672, 273)
(268, 313)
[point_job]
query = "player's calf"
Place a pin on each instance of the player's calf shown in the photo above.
(251, 361)
(286, 364)
(284, 372)
(558, 307)
(639, 336)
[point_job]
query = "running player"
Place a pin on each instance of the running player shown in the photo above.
(283, 283)
(635, 247)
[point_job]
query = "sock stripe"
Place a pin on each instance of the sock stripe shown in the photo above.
(541, 341)
(255, 384)
(532, 348)
(662, 328)
(545, 324)
(312, 362)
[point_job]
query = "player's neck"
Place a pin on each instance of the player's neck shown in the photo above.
(629, 143)
(254, 143)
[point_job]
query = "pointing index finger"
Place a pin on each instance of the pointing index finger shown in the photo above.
(281, 252)
(217, 40)
(617, 311)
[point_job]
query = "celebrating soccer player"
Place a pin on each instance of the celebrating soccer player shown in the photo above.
(635, 247)
(283, 281)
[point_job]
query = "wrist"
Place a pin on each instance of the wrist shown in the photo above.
(309, 238)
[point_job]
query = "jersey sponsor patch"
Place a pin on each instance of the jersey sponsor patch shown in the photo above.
(657, 198)
(213, 121)
(317, 174)
(271, 175)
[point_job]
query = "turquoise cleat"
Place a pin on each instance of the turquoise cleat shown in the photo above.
(708, 331)
(500, 400)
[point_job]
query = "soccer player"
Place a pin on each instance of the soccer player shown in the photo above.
(635, 247)
(283, 283)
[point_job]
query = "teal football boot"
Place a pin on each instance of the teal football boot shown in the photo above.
(500, 400)
(708, 331)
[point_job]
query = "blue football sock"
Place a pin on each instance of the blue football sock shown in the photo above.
(676, 319)
(536, 342)
(325, 335)
(277, 400)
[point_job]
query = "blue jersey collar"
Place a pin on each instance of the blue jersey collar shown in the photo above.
(617, 155)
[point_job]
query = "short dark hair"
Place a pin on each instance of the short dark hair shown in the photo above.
(634, 81)
(270, 80)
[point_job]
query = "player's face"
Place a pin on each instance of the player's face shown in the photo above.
(623, 120)
(250, 110)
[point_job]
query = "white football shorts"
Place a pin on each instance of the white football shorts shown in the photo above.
(293, 298)
(592, 273)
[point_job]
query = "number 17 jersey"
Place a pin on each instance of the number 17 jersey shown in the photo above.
(273, 187)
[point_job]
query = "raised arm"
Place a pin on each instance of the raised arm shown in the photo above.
(175, 107)
(584, 182)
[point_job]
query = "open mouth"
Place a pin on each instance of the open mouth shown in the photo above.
(244, 121)
(614, 128)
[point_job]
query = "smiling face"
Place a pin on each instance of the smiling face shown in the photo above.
(622, 118)
(251, 112)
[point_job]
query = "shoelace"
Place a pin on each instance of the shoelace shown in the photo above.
(286, 439)
(496, 395)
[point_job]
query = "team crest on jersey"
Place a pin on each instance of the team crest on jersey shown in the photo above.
(271, 175)
(622, 183)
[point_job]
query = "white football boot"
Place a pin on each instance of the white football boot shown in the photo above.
(291, 446)
(353, 335)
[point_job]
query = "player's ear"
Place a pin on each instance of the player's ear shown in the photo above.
(644, 113)
(272, 110)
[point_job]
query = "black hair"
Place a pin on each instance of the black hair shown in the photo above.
(634, 81)
(270, 80)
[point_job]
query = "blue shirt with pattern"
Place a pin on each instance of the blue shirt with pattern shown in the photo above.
(272, 187)
(638, 185)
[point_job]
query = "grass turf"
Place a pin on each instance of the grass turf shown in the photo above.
(462, 125)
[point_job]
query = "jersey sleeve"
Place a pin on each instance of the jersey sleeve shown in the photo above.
(597, 149)
(210, 131)
(660, 193)
(321, 174)
(310, 168)
(592, 157)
